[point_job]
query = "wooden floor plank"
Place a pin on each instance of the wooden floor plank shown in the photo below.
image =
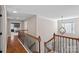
(14, 46)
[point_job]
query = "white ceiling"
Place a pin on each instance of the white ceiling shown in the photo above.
(18, 16)
(50, 11)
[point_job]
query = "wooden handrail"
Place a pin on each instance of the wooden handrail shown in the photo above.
(30, 35)
(67, 36)
(48, 42)
(50, 39)
(37, 38)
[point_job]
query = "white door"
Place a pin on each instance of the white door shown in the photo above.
(0, 32)
(0, 29)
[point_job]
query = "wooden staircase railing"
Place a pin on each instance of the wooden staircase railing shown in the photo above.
(66, 43)
(22, 35)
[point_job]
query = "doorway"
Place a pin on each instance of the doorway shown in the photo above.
(14, 27)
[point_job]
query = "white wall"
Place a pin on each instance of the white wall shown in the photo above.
(45, 28)
(77, 26)
(25, 25)
(8, 27)
(42, 27)
(4, 29)
(31, 25)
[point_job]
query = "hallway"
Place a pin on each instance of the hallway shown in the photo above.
(14, 46)
(37, 27)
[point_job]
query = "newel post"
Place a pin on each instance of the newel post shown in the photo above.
(54, 41)
(39, 44)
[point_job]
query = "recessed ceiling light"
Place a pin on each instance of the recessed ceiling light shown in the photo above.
(14, 11)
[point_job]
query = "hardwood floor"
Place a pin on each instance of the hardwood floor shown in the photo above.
(14, 46)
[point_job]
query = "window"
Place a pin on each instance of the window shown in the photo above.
(69, 27)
